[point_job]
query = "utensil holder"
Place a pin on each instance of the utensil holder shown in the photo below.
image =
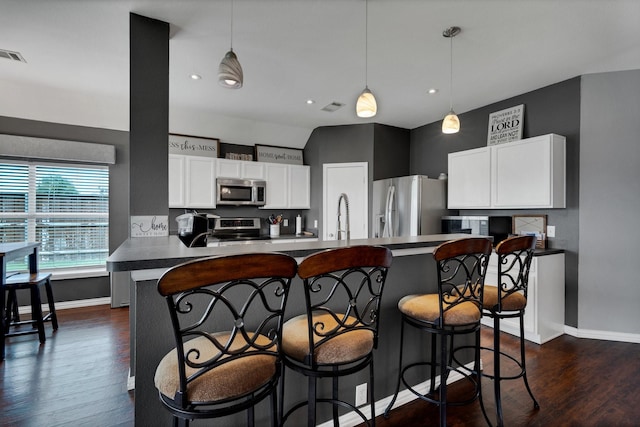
(274, 230)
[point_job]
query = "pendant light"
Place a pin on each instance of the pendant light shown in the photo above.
(451, 123)
(230, 72)
(366, 105)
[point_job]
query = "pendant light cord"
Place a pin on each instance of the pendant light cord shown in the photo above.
(451, 73)
(231, 25)
(366, 43)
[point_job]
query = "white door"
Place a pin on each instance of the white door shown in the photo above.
(351, 179)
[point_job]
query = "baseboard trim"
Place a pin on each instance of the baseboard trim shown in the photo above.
(602, 335)
(64, 305)
(404, 396)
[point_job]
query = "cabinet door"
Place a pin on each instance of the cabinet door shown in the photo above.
(529, 173)
(252, 170)
(176, 181)
(227, 168)
(277, 178)
(299, 187)
(200, 183)
(469, 183)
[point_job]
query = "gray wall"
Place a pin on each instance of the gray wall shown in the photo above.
(68, 290)
(609, 202)
(552, 109)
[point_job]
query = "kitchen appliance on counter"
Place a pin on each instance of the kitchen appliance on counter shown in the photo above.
(241, 192)
(238, 230)
(195, 228)
(499, 227)
(408, 206)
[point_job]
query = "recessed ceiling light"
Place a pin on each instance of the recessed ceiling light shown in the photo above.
(432, 91)
(196, 76)
(310, 101)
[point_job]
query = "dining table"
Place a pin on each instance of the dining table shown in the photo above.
(10, 252)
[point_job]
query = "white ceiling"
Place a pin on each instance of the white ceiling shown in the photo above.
(77, 55)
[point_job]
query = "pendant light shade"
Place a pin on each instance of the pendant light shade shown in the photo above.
(451, 122)
(366, 106)
(230, 71)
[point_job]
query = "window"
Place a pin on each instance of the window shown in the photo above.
(64, 207)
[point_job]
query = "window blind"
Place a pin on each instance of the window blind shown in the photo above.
(65, 208)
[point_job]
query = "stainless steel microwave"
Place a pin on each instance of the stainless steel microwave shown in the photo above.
(241, 192)
(499, 227)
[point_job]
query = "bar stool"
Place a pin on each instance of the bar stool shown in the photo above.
(454, 310)
(337, 334)
(226, 314)
(509, 300)
(33, 282)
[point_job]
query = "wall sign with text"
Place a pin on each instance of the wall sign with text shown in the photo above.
(193, 145)
(150, 226)
(506, 125)
(268, 153)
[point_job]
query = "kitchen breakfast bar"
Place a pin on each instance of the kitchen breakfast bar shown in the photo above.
(412, 271)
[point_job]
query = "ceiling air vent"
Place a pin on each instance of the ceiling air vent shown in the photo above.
(8, 54)
(332, 107)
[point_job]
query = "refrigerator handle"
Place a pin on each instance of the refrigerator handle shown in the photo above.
(388, 226)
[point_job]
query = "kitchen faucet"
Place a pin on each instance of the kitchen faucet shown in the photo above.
(339, 230)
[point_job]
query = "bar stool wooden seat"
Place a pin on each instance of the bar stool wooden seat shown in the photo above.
(506, 300)
(32, 282)
(227, 315)
(337, 334)
(453, 311)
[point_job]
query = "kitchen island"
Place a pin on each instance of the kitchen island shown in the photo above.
(412, 271)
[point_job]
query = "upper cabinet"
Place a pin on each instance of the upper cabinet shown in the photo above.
(228, 168)
(523, 174)
(288, 186)
(469, 183)
(192, 181)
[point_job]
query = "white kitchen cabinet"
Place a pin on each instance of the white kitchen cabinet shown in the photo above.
(544, 314)
(529, 173)
(277, 177)
(299, 187)
(469, 182)
(192, 181)
(288, 186)
(522, 174)
(176, 181)
(227, 168)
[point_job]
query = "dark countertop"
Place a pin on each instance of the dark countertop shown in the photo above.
(143, 253)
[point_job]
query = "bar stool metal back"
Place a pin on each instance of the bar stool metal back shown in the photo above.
(226, 314)
(454, 310)
(338, 332)
(508, 300)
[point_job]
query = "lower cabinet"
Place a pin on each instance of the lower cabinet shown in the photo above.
(544, 315)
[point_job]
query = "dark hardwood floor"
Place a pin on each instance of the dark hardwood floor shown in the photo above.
(78, 378)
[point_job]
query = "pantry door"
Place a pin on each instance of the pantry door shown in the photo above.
(351, 179)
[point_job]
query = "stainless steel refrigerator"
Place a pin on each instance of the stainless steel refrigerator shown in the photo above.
(408, 206)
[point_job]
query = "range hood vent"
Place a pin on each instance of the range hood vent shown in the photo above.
(15, 56)
(332, 107)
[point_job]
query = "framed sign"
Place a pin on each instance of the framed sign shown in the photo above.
(193, 145)
(268, 153)
(506, 125)
(150, 226)
(531, 224)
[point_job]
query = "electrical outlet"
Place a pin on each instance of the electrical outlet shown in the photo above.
(285, 222)
(551, 231)
(315, 223)
(361, 394)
